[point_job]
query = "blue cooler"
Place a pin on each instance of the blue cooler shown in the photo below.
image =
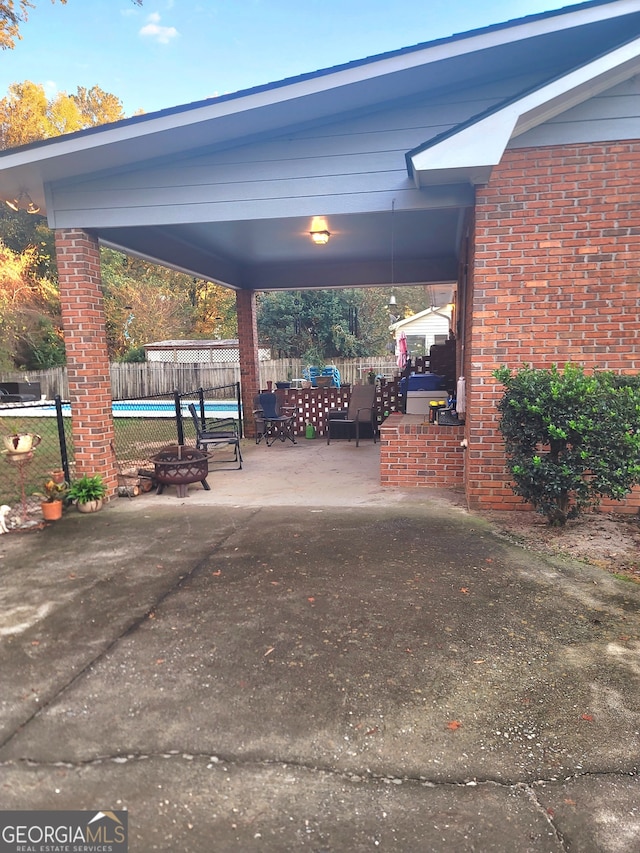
(421, 389)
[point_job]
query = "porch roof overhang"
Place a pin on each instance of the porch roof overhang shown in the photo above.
(470, 152)
(263, 243)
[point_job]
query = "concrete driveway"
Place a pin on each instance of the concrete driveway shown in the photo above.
(300, 660)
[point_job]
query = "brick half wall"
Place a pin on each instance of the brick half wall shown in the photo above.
(414, 453)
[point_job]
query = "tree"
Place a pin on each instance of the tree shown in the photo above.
(27, 115)
(213, 309)
(24, 115)
(11, 18)
(570, 438)
(319, 324)
(30, 324)
(140, 304)
(97, 107)
(12, 15)
(189, 307)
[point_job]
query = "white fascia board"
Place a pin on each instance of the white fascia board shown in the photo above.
(315, 83)
(471, 153)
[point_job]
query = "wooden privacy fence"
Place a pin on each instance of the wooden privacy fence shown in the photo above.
(130, 381)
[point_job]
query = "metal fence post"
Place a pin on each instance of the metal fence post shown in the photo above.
(239, 403)
(179, 424)
(62, 439)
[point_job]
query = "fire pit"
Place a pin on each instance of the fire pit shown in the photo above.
(178, 466)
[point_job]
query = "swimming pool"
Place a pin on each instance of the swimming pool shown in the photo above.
(128, 409)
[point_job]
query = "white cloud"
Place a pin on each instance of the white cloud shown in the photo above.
(154, 30)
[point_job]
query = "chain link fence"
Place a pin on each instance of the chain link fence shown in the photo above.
(146, 425)
(22, 476)
(142, 427)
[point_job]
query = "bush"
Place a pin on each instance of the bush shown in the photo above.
(571, 439)
(87, 488)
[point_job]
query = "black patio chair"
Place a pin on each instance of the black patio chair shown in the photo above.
(359, 420)
(212, 433)
(272, 420)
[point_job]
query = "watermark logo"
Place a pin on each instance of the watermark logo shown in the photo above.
(63, 832)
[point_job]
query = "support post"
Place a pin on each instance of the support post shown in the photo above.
(248, 353)
(83, 319)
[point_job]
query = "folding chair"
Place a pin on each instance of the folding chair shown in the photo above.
(273, 421)
(217, 432)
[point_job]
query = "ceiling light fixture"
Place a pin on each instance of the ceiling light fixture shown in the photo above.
(319, 232)
(320, 238)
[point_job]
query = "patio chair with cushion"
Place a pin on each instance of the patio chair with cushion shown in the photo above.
(273, 421)
(359, 420)
(212, 433)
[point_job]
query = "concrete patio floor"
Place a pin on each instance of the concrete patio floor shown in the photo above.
(300, 660)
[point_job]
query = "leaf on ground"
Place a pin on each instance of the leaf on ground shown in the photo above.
(587, 717)
(464, 589)
(454, 725)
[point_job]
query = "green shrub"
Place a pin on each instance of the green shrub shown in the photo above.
(571, 439)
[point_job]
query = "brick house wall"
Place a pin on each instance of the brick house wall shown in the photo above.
(556, 279)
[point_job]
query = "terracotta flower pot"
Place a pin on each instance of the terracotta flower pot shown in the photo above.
(51, 510)
(89, 506)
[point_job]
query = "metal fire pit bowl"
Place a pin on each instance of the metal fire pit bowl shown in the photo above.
(178, 466)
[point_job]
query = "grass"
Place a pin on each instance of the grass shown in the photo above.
(136, 440)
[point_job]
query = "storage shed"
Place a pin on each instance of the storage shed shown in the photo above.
(424, 329)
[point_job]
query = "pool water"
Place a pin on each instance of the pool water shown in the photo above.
(129, 409)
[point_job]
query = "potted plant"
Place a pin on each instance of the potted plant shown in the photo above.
(88, 492)
(53, 495)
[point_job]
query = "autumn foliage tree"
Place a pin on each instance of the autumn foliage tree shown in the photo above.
(145, 303)
(27, 115)
(30, 323)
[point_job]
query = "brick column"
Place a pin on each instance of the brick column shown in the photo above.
(248, 352)
(83, 320)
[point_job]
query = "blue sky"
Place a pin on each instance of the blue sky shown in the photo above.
(171, 52)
